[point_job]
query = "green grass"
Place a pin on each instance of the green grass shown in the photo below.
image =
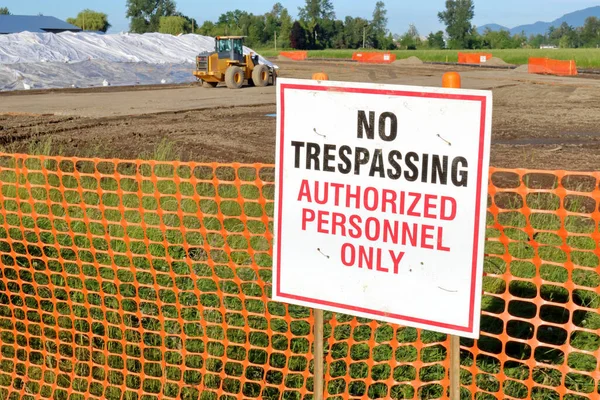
(166, 150)
(584, 58)
(111, 284)
(38, 145)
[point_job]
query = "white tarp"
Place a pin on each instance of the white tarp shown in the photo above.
(46, 60)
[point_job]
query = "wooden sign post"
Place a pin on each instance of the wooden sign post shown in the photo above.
(454, 367)
(452, 80)
(319, 379)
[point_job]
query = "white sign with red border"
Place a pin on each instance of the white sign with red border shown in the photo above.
(380, 206)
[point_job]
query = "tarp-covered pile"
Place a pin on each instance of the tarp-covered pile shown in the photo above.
(46, 60)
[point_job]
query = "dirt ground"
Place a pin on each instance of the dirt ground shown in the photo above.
(539, 122)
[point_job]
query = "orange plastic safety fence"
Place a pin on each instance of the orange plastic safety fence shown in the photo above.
(374, 57)
(540, 319)
(295, 55)
(473, 58)
(151, 280)
(552, 67)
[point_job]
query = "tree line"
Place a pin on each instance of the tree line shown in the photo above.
(318, 28)
(315, 28)
(461, 34)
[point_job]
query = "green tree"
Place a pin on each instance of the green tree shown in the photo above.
(500, 40)
(4, 11)
(555, 34)
(239, 22)
(389, 43)
(298, 36)
(278, 22)
(564, 42)
(436, 40)
(192, 24)
(519, 40)
(457, 18)
(208, 28)
(354, 28)
(535, 41)
(337, 40)
(330, 33)
(285, 29)
(411, 39)
(315, 10)
(174, 25)
(90, 20)
(378, 28)
(254, 28)
(233, 22)
(145, 14)
(313, 15)
(273, 21)
(564, 36)
(590, 33)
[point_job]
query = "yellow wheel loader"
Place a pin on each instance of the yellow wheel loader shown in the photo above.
(229, 64)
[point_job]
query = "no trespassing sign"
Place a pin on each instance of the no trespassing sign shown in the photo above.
(380, 204)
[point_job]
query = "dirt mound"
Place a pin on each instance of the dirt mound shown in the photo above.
(497, 62)
(522, 68)
(408, 61)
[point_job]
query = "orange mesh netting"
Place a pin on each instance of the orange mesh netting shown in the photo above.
(151, 280)
(552, 67)
(295, 55)
(374, 58)
(473, 58)
(147, 280)
(542, 290)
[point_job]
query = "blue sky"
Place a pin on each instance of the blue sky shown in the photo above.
(423, 13)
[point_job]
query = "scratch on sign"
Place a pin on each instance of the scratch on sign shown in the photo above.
(447, 290)
(315, 130)
(323, 254)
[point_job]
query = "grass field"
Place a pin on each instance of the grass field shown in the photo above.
(120, 266)
(585, 58)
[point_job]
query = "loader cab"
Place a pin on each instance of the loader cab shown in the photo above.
(230, 47)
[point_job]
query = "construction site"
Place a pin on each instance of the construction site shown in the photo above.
(539, 121)
(139, 221)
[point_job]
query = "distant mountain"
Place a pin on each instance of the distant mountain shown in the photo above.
(575, 19)
(493, 27)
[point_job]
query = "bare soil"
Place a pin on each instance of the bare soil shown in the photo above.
(226, 134)
(539, 122)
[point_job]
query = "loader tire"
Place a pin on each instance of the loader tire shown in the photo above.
(209, 84)
(234, 77)
(260, 75)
